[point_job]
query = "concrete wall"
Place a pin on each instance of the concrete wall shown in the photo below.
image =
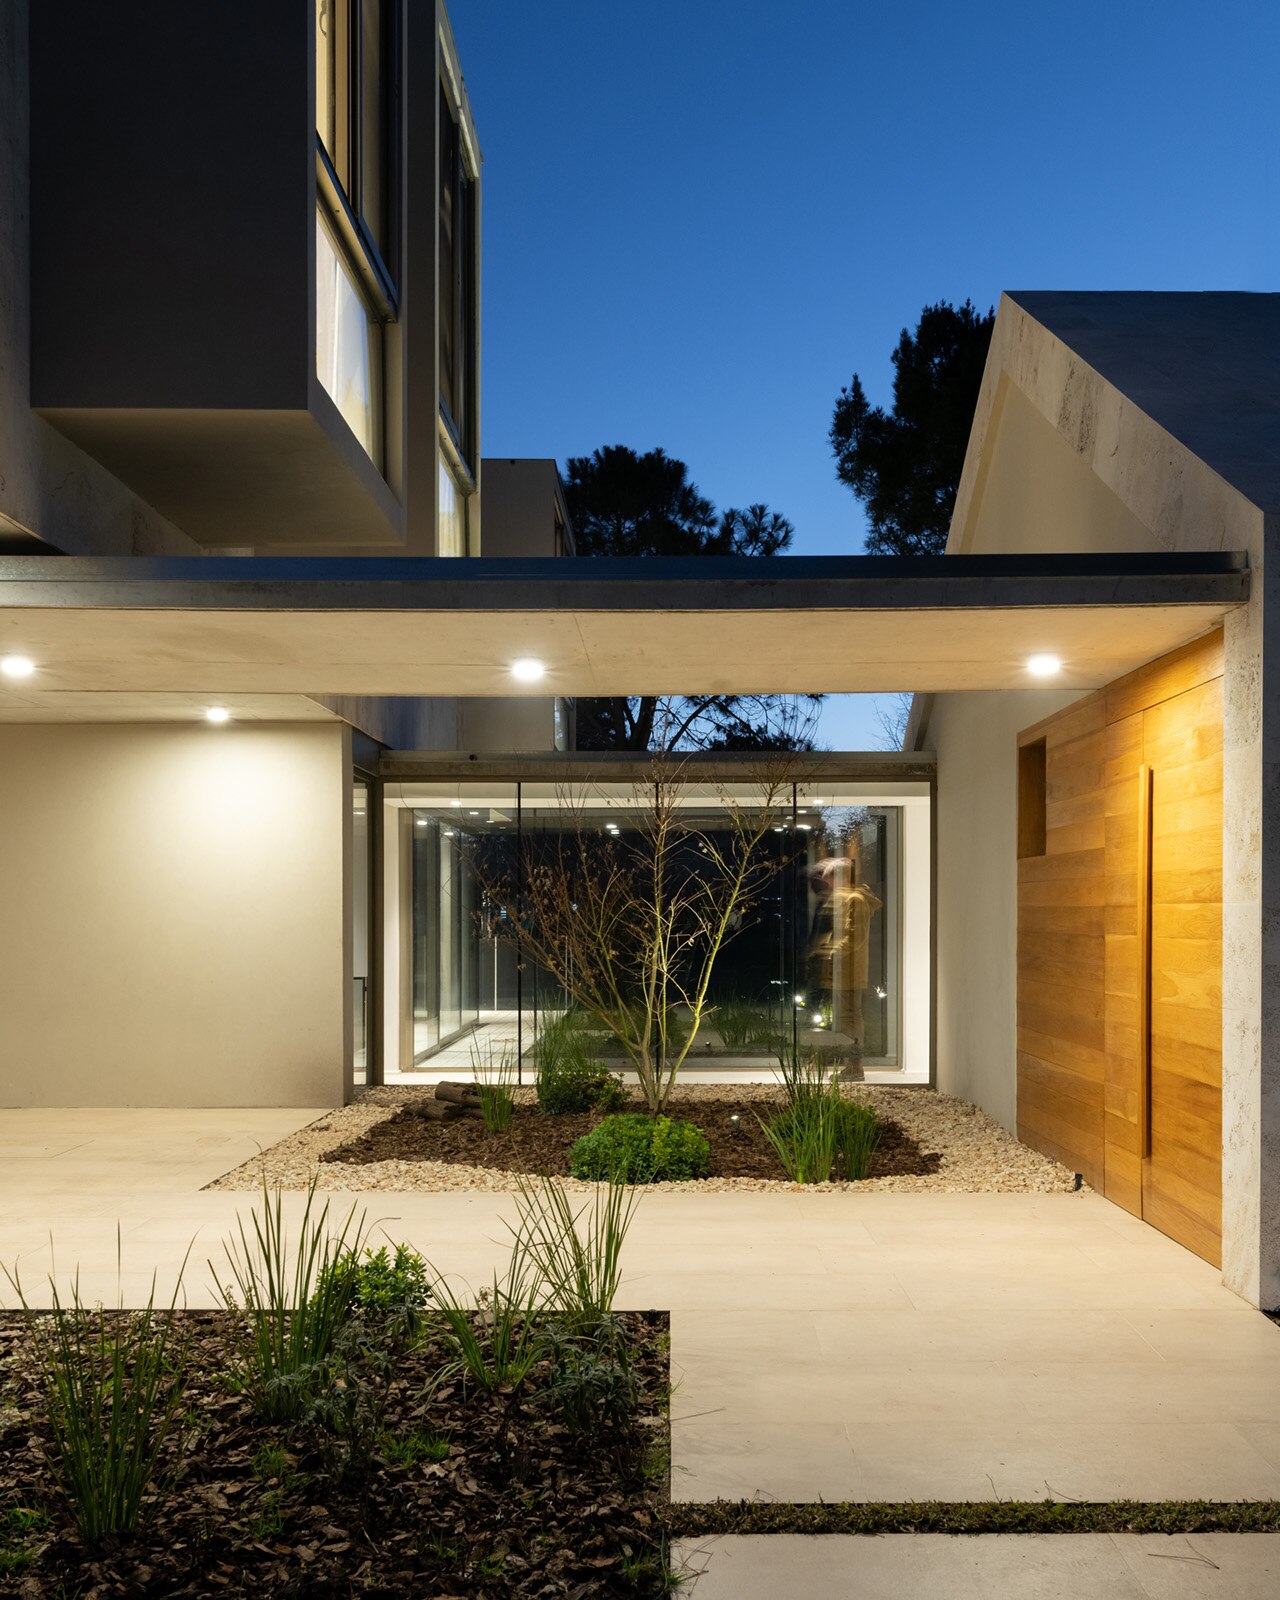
(1034, 492)
(175, 915)
(976, 936)
(1169, 421)
(523, 505)
(508, 724)
(1030, 492)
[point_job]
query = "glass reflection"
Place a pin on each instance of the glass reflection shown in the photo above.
(811, 962)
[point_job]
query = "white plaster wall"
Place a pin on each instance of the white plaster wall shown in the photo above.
(975, 737)
(917, 955)
(175, 915)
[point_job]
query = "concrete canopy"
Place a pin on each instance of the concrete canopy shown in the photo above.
(140, 629)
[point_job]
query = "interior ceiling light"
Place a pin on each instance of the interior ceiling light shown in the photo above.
(455, 802)
(17, 666)
(217, 714)
(1044, 666)
(527, 670)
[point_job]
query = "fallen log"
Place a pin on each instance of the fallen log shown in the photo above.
(435, 1110)
(460, 1094)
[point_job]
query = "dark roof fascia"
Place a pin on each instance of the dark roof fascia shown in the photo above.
(595, 584)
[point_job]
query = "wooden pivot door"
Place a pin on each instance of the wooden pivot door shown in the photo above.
(1182, 1169)
(1120, 942)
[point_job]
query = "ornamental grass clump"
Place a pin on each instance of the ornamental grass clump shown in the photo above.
(113, 1384)
(817, 1130)
(570, 1077)
(577, 1255)
(495, 1340)
(495, 1074)
(290, 1301)
(641, 1149)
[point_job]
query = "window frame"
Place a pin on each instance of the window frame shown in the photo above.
(339, 173)
(459, 413)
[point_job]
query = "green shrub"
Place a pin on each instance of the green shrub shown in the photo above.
(570, 1078)
(591, 1385)
(610, 1096)
(641, 1149)
(379, 1284)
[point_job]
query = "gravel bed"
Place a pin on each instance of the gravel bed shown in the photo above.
(978, 1155)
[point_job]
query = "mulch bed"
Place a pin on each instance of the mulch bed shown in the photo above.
(538, 1143)
(518, 1507)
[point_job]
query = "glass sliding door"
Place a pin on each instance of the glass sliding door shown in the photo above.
(458, 972)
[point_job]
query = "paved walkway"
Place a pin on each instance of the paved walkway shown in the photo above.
(878, 1346)
(1060, 1566)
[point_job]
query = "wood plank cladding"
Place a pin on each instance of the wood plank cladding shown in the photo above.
(1120, 943)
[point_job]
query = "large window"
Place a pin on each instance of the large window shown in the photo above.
(451, 520)
(348, 346)
(830, 954)
(456, 234)
(357, 86)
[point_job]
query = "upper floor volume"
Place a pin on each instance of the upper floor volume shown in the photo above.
(254, 266)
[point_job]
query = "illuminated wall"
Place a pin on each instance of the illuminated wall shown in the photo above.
(173, 928)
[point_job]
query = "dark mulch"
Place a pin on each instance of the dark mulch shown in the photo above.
(519, 1507)
(538, 1143)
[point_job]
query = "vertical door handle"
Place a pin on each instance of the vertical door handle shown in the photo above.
(1144, 960)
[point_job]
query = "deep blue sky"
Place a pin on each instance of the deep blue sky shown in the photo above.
(701, 217)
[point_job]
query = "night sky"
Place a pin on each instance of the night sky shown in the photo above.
(700, 218)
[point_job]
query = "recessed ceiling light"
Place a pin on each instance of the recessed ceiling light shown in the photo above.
(1044, 666)
(455, 802)
(527, 670)
(17, 666)
(217, 714)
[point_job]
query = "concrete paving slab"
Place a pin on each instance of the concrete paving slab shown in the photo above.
(1213, 1566)
(833, 1346)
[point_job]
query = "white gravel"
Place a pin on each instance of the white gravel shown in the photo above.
(978, 1155)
